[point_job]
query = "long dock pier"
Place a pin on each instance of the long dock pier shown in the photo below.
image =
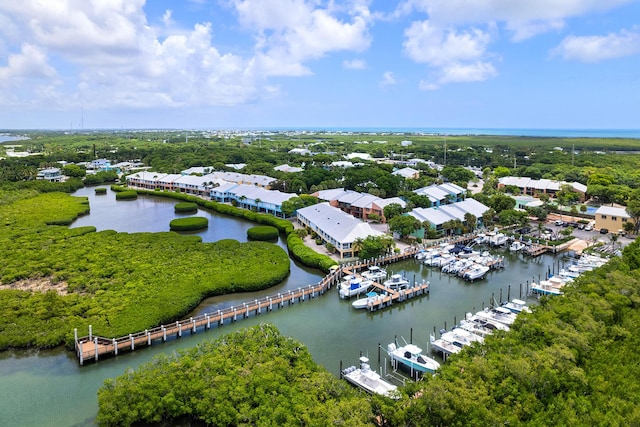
(93, 348)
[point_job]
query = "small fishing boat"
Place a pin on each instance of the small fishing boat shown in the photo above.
(371, 298)
(356, 286)
(498, 314)
(476, 272)
(410, 356)
(396, 282)
(374, 273)
(517, 306)
(369, 380)
(516, 246)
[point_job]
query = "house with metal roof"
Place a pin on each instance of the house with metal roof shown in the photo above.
(440, 194)
(439, 215)
(50, 174)
(360, 205)
(288, 169)
(407, 173)
(535, 187)
(612, 218)
(334, 226)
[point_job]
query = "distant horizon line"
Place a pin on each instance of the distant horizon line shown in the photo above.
(453, 131)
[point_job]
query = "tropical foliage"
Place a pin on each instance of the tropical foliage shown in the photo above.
(188, 224)
(185, 207)
(254, 377)
(262, 232)
(117, 282)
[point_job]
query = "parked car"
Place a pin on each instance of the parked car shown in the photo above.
(604, 231)
(559, 222)
(588, 227)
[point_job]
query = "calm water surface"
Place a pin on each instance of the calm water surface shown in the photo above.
(49, 388)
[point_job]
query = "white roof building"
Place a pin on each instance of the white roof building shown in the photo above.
(455, 211)
(407, 173)
(363, 156)
(288, 169)
(335, 226)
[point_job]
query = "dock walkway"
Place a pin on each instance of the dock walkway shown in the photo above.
(92, 348)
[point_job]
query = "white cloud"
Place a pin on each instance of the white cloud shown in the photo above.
(599, 48)
(354, 64)
(436, 46)
(292, 32)
(105, 54)
(388, 79)
(524, 18)
(453, 56)
(30, 63)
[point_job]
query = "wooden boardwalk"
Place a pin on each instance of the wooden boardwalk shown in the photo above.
(92, 348)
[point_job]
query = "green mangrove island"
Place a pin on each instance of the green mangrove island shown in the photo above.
(54, 279)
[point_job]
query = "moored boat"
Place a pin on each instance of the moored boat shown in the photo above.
(371, 298)
(517, 306)
(476, 272)
(356, 286)
(374, 273)
(396, 282)
(498, 314)
(410, 356)
(516, 246)
(369, 380)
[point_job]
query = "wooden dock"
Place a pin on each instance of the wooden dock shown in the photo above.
(93, 348)
(537, 250)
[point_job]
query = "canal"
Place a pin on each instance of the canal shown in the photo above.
(50, 388)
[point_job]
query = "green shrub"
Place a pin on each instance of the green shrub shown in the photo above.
(255, 376)
(306, 255)
(262, 232)
(188, 224)
(186, 207)
(127, 195)
(101, 190)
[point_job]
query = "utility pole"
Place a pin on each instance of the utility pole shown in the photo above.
(445, 151)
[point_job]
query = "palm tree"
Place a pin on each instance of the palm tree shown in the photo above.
(613, 237)
(541, 228)
(258, 201)
(356, 246)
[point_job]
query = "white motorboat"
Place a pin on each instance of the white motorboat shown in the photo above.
(396, 282)
(545, 287)
(443, 346)
(356, 286)
(410, 355)
(516, 246)
(476, 272)
(477, 328)
(374, 273)
(486, 323)
(369, 380)
(372, 298)
(460, 337)
(517, 306)
(498, 240)
(498, 314)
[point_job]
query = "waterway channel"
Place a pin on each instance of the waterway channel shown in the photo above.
(50, 388)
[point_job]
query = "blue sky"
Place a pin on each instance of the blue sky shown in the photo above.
(212, 64)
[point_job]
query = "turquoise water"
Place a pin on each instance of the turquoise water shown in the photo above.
(50, 388)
